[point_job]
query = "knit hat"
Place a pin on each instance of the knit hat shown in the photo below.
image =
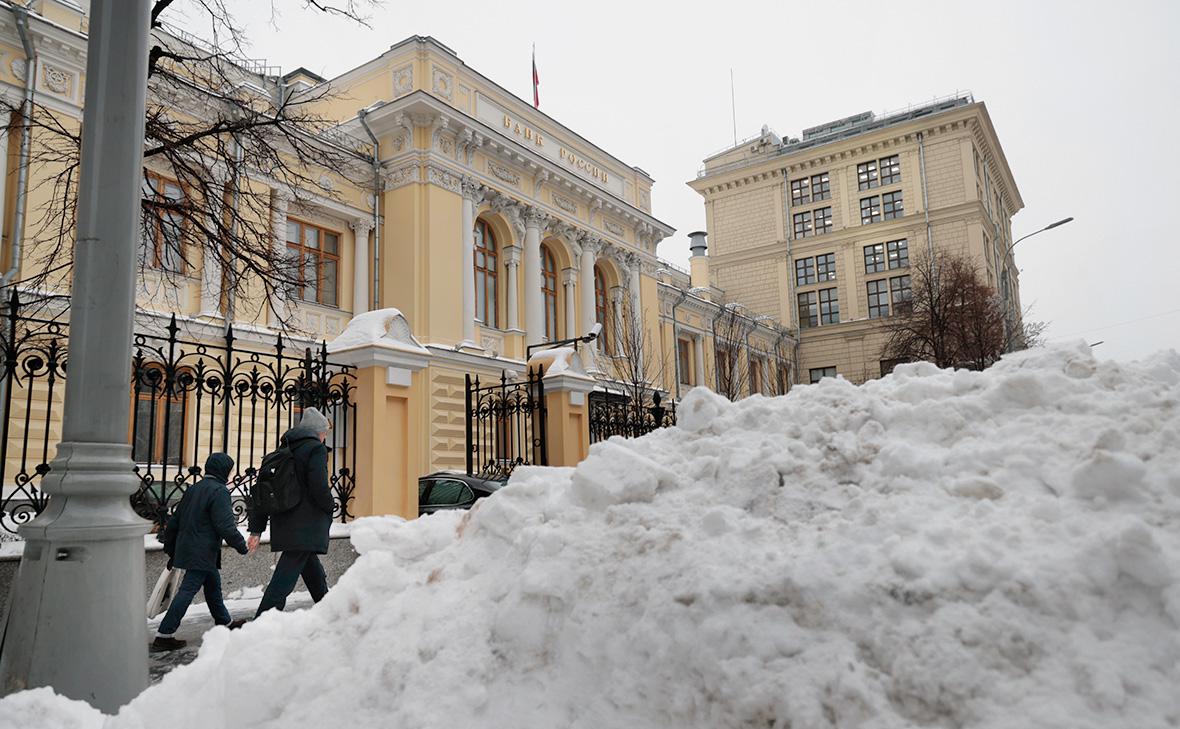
(314, 420)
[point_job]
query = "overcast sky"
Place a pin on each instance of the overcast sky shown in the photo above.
(1083, 94)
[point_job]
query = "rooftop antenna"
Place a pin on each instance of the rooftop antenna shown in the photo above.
(733, 106)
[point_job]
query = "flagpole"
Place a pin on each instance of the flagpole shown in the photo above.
(536, 81)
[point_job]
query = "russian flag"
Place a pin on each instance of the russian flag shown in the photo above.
(536, 80)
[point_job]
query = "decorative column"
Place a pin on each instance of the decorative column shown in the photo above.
(534, 300)
(76, 616)
(360, 267)
(569, 277)
(698, 359)
(617, 294)
(590, 248)
(636, 305)
(633, 283)
(473, 194)
(4, 177)
(280, 200)
(511, 264)
(211, 267)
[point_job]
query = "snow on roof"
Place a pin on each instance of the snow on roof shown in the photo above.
(934, 548)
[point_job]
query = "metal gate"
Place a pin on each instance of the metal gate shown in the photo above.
(188, 398)
(506, 425)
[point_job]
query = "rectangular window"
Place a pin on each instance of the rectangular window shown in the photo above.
(866, 175)
(875, 258)
(684, 358)
(870, 210)
(823, 220)
(878, 298)
(158, 412)
(316, 252)
(900, 294)
(821, 188)
(892, 203)
(755, 376)
(800, 191)
(804, 271)
(829, 307)
(163, 224)
(899, 253)
(890, 170)
(802, 224)
(808, 311)
(825, 267)
(818, 373)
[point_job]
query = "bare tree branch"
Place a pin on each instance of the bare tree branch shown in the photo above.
(220, 135)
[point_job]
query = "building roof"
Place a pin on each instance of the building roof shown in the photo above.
(766, 146)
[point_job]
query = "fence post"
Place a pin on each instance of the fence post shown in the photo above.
(467, 416)
(227, 387)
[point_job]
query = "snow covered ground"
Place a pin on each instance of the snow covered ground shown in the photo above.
(933, 549)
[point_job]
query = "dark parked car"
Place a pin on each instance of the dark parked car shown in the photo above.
(450, 490)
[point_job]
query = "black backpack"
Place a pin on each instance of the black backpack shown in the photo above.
(276, 489)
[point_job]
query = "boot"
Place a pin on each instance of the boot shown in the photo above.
(167, 643)
(235, 624)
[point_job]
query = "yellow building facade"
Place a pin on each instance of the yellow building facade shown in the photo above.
(469, 227)
(818, 231)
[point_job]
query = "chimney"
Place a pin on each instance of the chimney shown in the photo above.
(699, 263)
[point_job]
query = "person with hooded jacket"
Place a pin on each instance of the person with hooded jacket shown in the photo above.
(300, 535)
(192, 540)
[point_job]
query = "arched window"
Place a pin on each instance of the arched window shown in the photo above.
(549, 288)
(485, 274)
(601, 310)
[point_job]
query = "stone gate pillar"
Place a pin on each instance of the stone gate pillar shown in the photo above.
(391, 397)
(566, 386)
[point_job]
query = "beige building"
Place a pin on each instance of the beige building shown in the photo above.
(818, 231)
(467, 227)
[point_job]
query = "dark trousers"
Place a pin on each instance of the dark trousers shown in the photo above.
(292, 566)
(192, 583)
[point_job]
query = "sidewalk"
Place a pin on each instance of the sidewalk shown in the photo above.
(197, 621)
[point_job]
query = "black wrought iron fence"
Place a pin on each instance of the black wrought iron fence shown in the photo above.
(506, 425)
(188, 399)
(628, 415)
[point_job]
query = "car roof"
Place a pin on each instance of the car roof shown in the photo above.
(486, 483)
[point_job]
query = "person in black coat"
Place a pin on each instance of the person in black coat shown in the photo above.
(301, 534)
(192, 540)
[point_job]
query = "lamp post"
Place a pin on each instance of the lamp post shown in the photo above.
(76, 621)
(1004, 278)
(585, 339)
(1050, 226)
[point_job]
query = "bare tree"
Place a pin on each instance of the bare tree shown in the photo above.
(635, 364)
(782, 354)
(730, 329)
(220, 134)
(950, 317)
(1026, 333)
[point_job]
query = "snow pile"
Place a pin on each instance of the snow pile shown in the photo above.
(385, 328)
(936, 548)
(558, 361)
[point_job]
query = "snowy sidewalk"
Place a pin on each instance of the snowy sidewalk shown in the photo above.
(197, 621)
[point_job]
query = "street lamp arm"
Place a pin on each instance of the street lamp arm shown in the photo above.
(1050, 226)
